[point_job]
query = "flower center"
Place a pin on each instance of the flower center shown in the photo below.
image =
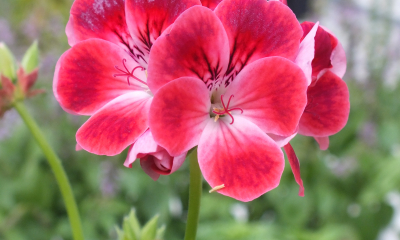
(128, 74)
(220, 112)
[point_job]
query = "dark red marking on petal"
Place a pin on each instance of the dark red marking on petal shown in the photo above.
(226, 109)
(295, 165)
(329, 107)
(258, 29)
(240, 156)
(211, 4)
(128, 74)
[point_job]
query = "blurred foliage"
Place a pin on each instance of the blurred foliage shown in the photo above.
(345, 187)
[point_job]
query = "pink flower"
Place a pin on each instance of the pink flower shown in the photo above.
(103, 74)
(223, 80)
(323, 60)
(154, 159)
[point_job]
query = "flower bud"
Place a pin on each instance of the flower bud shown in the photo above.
(30, 61)
(7, 62)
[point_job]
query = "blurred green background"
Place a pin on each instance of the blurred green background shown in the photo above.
(351, 190)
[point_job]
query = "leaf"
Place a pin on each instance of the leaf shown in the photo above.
(30, 61)
(149, 231)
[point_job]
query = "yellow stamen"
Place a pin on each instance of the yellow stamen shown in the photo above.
(216, 118)
(217, 188)
(145, 72)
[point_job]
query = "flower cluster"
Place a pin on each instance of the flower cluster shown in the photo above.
(236, 78)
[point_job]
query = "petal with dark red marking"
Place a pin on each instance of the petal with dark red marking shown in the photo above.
(328, 107)
(258, 29)
(117, 125)
(241, 157)
(295, 165)
(103, 19)
(147, 20)
(272, 94)
(84, 77)
(179, 113)
(196, 46)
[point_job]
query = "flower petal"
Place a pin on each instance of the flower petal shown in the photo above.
(282, 140)
(272, 94)
(338, 57)
(306, 53)
(197, 46)
(258, 29)
(295, 165)
(211, 4)
(179, 113)
(117, 125)
(241, 157)
(148, 167)
(143, 145)
(328, 107)
(103, 19)
(84, 78)
(147, 20)
(323, 142)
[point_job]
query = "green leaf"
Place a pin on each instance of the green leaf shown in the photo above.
(30, 61)
(7, 62)
(160, 233)
(150, 229)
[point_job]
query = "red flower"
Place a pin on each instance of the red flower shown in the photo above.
(103, 75)
(154, 159)
(322, 58)
(218, 86)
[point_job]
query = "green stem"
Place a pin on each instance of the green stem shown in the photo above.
(194, 197)
(58, 171)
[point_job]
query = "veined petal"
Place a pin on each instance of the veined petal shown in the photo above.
(103, 19)
(241, 157)
(258, 29)
(323, 142)
(272, 94)
(84, 78)
(211, 4)
(295, 165)
(147, 20)
(306, 53)
(196, 46)
(179, 113)
(117, 125)
(328, 107)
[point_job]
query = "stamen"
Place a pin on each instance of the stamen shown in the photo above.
(217, 188)
(126, 73)
(225, 109)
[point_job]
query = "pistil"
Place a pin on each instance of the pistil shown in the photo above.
(225, 110)
(129, 74)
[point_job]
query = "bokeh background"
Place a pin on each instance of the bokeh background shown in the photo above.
(351, 190)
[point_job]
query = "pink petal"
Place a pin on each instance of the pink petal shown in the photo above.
(103, 19)
(146, 20)
(323, 142)
(143, 145)
(78, 147)
(196, 46)
(338, 57)
(148, 166)
(117, 125)
(241, 157)
(272, 94)
(211, 4)
(306, 52)
(258, 29)
(282, 140)
(179, 113)
(84, 78)
(295, 165)
(328, 107)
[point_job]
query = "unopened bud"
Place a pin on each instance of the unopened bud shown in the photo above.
(30, 61)
(7, 62)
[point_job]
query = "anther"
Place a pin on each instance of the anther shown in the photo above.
(126, 73)
(217, 188)
(225, 109)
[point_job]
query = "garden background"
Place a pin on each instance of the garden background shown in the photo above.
(352, 190)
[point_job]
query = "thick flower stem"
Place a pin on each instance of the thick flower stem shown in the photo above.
(194, 197)
(58, 171)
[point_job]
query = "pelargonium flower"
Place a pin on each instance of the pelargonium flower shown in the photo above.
(322, 58)
(103, 74)
(154, 159)
(223, 81)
